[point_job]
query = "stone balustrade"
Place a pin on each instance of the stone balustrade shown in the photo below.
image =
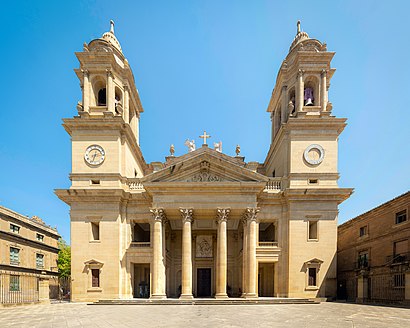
(135, 184)
(274, 185)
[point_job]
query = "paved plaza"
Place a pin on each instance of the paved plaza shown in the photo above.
(296, 315)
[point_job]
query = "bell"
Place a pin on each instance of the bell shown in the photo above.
(309, 102)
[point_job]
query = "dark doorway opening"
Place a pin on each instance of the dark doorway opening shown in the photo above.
(203, 282)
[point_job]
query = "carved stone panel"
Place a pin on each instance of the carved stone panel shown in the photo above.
(204, 246)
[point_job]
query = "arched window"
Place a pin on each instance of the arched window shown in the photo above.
(292, 102)
(102, 97)
(310, 95)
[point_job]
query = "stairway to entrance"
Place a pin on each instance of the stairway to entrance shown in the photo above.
(209, 301)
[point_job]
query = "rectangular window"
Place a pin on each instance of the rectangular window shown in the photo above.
(14, 256)
(39, 261)
(399, 280)
(312, 276)
(95, 273)
(401, 217)
(363, 260)
(40, 237)
(14, 228)
(313, 230)
(14, 283)
(363, 231)
(95, 230)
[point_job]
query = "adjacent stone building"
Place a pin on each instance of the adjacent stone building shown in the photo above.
(204, 224)
(28, 259)
(374, 254)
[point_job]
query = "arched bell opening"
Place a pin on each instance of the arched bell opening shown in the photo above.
(292, 101)
(100, 91)
(311, 91)
(118, 101)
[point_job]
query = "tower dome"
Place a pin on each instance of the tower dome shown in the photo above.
(300, 36)
(110, 37)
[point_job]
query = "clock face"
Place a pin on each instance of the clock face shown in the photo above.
(94, 155)
(314, 154)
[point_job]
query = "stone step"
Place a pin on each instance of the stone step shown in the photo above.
(208, 301)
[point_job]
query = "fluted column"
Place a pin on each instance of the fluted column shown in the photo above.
(323, 91)
(300, 91)
(110, 92)
(158, 262)
(186, 291)
(222, 253)
(250, 216)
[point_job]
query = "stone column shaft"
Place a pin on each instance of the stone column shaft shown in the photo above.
(300, 91)
(251, 281)
(284, 105)
(244, 259)
(86, 91)
(126, 104)
(110, 92)
(222, 254)
(158, 262)
(323, 91)
(186, 291)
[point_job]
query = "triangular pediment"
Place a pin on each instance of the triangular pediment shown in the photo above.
(205, 165)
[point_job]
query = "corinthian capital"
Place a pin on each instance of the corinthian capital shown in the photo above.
(250, 214)
(186, 214)
(223, 214)
(158, 214)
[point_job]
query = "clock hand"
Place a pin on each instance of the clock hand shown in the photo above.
(95, 154)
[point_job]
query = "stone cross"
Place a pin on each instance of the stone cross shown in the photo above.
(204, 136)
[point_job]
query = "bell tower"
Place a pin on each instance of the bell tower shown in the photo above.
(304, 133)
(105, 134)
(303, 156)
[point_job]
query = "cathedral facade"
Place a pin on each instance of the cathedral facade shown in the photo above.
(203, 224)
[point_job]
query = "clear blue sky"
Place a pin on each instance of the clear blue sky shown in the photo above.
(202, 65)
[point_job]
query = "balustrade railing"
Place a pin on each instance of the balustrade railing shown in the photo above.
(274, 184)
(135, 184)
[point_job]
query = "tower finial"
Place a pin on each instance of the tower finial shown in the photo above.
(112, 26)
(298, 25)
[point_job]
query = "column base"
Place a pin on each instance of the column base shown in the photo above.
(251, 295)
(221, 296)
(158, 297)
(243, 295)
(186, 297)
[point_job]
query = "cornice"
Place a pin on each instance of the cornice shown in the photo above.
(308, 194)
(22, 240)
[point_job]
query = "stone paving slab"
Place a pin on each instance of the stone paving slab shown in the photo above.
(327, 315)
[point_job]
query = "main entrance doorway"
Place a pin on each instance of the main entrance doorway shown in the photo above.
(141, 281)
(203, 279)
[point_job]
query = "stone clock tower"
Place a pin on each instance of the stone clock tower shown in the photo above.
(304, 153)
(105, 153)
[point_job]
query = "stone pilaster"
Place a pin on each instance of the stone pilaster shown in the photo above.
(186, 291)
(158, 262)
(222, 253)
(407, 286)
(250, 216)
